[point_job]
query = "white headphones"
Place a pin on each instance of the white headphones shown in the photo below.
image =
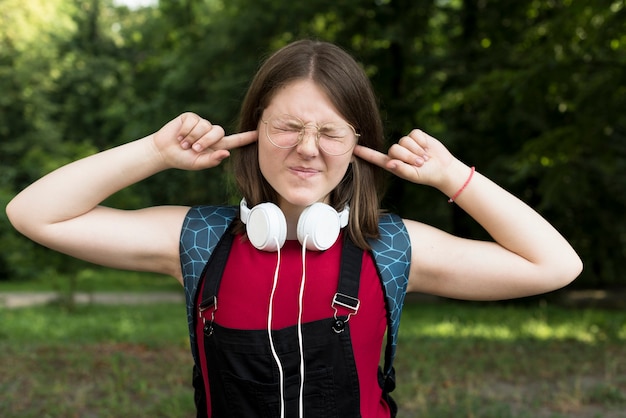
(266, 225)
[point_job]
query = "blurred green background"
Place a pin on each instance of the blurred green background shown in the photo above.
(533, 93)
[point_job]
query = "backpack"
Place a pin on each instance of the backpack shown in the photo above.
(204, 226)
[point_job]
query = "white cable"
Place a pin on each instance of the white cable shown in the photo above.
(300, 342)
(269, 333)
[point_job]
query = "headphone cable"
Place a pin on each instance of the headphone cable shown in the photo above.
(269, 333)
(300, 339)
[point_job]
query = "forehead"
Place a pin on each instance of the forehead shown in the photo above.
(305, 100)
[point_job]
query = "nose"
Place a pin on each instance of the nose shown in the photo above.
(307, 146)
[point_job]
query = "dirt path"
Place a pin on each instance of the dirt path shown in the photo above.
(23, 299)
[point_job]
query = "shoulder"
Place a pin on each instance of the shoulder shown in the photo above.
(202, 229)
(200, 218)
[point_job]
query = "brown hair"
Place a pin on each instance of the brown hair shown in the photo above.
(348, 88)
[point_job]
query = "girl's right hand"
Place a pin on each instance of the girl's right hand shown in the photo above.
(190, 142)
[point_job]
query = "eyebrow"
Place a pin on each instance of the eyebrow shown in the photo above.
(311, 122)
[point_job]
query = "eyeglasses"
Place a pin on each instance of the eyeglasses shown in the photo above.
(286, 131)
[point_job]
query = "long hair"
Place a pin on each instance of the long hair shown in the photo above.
(345, 83)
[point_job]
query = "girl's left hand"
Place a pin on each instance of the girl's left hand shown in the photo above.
(417, 157)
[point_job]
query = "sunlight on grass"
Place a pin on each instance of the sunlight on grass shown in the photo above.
(126, 327)
(498, 323)
(459, 330)
(543, 331)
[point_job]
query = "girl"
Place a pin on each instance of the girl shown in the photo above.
(308, 148)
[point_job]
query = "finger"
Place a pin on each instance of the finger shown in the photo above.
(208, 136)
(404, 170)
(239, 139)
(216, 140)
(417, 142)
(411, 145)
(372, 156)
(422, 140)
(192, 160)
(408, 152)
(211, 159)
(188, 122)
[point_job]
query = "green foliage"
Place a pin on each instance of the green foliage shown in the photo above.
(530, 92)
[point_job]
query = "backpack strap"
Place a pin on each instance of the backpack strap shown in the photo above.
(392, 254)
(202, 230)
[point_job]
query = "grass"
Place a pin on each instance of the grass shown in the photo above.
(95, 361)
(454, 360)
(476, 360)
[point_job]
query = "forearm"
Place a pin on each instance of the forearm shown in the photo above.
(510, 222)
(77, 188)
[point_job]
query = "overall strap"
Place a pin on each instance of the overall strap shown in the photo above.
(212, 277)
(347, 294)
(202, 229)
(392, 254)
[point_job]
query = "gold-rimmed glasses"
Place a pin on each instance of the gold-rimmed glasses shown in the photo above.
(334, 138)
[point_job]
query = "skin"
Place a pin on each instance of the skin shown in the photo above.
(527, 255)
(304, 174)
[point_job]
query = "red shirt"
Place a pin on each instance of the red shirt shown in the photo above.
(245, 290)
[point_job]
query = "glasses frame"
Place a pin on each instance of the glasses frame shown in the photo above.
(303, 132)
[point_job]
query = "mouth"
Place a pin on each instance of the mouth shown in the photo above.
(304, 172)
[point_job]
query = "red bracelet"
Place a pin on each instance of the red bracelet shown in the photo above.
(453, 198)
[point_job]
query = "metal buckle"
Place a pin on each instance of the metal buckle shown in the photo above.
(205, 306)
(347, 302)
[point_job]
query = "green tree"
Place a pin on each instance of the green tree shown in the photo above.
(534, 98)
(530, 92)
(29, 140)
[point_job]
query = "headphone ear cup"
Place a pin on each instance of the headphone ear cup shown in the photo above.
(266, 227)
(320, 225)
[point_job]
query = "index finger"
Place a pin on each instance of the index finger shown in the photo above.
(239, 139)
(372, 156)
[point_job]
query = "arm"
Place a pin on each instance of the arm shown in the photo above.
(62, 212)
(528, 256)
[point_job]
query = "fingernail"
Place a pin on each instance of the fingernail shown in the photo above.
(197, 147)
(185, 145)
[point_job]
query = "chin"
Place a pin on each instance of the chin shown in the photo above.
(304, 201)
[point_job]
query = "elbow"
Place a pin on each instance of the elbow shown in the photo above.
(12, 214)
(17, 216)
(568, 271)
(577, 268)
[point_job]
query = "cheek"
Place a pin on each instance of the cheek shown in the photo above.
(269, 157)
(340, 165)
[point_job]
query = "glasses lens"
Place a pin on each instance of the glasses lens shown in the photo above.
(336, 139)
(284, 131)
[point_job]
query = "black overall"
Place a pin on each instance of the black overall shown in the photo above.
(243, 375)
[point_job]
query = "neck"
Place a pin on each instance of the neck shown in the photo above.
(292, 214)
